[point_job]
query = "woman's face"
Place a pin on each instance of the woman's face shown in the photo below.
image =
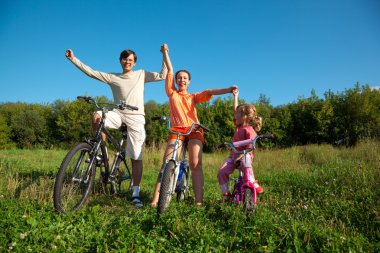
(182, 81)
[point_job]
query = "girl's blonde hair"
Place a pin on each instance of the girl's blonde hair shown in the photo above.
(250, 111)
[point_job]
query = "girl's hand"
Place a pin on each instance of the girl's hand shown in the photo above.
(237, 159)
(233, 88)
(69, 54)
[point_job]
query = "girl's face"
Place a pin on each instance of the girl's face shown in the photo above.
(182, 81)
(240, 118)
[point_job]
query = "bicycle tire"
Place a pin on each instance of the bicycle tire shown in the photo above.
(249, 204)
(184, 193)
(123, 180)
(69, 195)
(166, 187)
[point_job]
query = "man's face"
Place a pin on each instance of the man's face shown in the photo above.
(128, 63)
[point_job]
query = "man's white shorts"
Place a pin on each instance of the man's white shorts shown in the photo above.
(136, 131)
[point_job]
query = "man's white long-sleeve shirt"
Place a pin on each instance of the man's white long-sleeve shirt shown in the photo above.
(126, 87)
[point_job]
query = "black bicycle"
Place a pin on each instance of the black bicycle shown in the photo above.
(78, 171)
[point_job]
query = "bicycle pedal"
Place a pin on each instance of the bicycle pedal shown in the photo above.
(98, 161)
(123, 177)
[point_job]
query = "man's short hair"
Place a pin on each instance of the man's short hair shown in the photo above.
(126, 53)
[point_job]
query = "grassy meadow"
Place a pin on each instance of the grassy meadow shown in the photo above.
(317, 199)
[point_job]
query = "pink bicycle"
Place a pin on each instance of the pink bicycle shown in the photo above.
(243, 191)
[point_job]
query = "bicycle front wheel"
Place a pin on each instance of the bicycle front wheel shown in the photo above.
(249, 203)
(72, 187)
(166, 187)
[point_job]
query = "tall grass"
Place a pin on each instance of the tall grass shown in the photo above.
(317, 199)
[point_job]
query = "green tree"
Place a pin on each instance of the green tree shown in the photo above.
(156, 131)
(357, 114)
(29, 129)
(71, 121)
(5, 134)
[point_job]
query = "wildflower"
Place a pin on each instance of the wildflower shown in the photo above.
(258, 233)
(264, 246)
(305, 207)
(12, 246)
(22, 236)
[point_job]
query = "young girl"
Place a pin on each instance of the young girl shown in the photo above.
(244, 115)
(182, 114)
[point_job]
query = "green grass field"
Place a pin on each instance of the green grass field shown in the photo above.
(317, 199)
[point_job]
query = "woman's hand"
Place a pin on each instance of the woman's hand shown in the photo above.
(235, 92)
(164, 48)
(233, 88)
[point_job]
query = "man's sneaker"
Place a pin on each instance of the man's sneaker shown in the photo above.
(137, 202)
(258, 188)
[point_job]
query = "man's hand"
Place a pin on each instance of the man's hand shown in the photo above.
(69, 54)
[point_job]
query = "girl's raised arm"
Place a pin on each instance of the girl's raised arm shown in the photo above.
(236, 99)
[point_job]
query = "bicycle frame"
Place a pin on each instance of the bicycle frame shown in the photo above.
(240, 185)
(97, 143)
(78, 170)
(175, 151)
(169, 176)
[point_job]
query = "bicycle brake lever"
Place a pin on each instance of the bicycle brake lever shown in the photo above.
(160, 118)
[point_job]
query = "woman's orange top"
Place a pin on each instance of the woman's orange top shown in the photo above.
(182, 106)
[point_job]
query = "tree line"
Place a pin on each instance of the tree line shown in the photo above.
(340, 118)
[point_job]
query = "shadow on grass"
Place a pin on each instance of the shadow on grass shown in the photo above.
(30, 178)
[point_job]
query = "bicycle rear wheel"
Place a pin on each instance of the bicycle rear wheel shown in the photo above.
(71, 188)
(122, 182)
(249, 203)
(166, 187)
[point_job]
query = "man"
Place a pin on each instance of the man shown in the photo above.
(129, 87)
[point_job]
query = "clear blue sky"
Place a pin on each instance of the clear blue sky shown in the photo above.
(280, 48)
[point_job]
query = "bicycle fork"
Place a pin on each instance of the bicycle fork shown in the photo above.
(91, 162)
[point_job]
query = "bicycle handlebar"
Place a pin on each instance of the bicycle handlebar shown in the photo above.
(234, 145)
(164, 118)
(120, 106)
